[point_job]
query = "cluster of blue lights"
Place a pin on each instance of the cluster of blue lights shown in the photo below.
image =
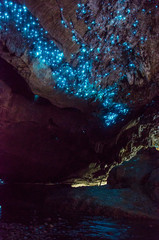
(1, 182)
(84, 80)
(118, 29)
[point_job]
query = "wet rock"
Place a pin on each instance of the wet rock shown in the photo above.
(152, 185)
(134, 173)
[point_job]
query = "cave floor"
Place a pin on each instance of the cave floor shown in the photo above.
(61, 212)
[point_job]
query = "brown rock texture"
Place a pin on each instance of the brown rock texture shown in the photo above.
(138, 86)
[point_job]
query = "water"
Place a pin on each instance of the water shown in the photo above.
(81, 228)
(25, 215)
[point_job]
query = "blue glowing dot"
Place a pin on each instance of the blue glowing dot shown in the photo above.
(1, 182)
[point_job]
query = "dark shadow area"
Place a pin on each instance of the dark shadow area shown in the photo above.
(18, 85)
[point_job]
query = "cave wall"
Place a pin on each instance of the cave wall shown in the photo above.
(42, 143)
(98, 62)
(39, 142)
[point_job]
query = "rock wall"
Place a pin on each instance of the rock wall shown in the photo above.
(94, 56)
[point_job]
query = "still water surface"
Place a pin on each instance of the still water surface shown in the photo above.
(25, 216)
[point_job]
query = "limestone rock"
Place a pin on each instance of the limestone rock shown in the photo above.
(152, 185)
(135, 173)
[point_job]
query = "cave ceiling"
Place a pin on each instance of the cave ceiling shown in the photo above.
(90, 54)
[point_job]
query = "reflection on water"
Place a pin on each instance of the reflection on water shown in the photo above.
(79, 228)
(25, 216)
(104, 228)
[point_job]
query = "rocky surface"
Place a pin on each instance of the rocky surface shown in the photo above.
(152, 185)
(139, 173)
(116, 203)
(42, 143)
(49, 201)
(39, 142)
(118, 39)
